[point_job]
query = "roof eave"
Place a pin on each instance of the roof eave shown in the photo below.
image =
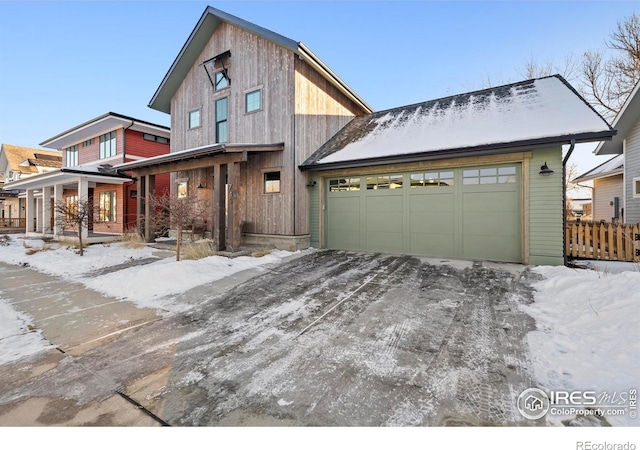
(480, 150)
(599, 176)
(624, 121)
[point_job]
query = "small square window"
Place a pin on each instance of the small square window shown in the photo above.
(194, 119)
(253, 101)
(636, 187)
(271, 182)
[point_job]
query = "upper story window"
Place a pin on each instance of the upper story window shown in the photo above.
(194, 119)
(108, 145)
(221, 80)
(154, 138)
(222, 129)
(87, 143)
(271, 182)
(253, 101)
(71, 156)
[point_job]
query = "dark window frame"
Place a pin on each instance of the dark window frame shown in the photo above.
(222, 123)
(108, 145)
(269, 180)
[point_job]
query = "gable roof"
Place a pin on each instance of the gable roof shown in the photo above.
(624, 121)
(533, 112)
(211, 19)
(613, 166)
(26, 160)
(103, 124)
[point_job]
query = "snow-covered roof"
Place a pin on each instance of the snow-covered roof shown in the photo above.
(541, 111)
(614, 166)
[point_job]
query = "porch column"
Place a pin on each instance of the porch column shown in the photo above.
(46, 210)
(233, 208)
(149, 192)
(219, 190)
(83, 196)
(140, 205)
(30, 211)
(58, 189)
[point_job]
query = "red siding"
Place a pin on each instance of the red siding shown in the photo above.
(92, 152)
(138, 146)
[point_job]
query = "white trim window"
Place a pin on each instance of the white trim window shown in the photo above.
(108, 206)
(71, 156)
(108, 145)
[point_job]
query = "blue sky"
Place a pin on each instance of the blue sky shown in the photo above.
(63, 63)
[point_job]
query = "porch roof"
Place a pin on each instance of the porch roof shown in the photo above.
(197, 153)
(96, 174)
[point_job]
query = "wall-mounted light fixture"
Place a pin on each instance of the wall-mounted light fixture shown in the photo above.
(544, 170)
(202, 185)
(313, 183)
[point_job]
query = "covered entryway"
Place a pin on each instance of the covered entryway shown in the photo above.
(472, 212)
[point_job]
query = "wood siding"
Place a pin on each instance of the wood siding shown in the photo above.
(299, 108)
(631, 171)
(321, 110)
(545, 209)
(604, 191)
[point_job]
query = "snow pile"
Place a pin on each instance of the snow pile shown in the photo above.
(145, 285)
(587, 336)
(17, 338)
(548, 108)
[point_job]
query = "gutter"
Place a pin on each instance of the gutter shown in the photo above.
(564, 199)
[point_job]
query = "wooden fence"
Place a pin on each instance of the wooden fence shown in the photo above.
(12, 223)
(603, 241)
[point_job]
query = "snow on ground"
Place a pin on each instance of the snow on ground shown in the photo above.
(17, 338)
(587, 335)
(147, 285)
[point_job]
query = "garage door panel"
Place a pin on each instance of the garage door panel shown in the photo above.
(432, 223)
(384, 204)
(489, 202)
(432, 202)
(496, 224)
(490, 248)
(384, 242)
(436, 244)
(348, 240)
(384, 222)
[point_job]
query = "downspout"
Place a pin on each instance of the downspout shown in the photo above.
(564, 198)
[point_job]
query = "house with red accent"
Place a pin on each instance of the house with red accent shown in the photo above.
(89, 152)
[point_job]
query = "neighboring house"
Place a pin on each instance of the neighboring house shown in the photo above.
(247, 107)
(17, 163)
(89, 151)
(625, 183)
(467, 176)
(290, 155)
(607, 198)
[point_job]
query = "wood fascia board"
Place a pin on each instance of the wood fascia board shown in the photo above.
(190, 164)
(424, 165)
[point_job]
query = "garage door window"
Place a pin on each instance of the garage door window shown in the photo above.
(489, 175)
(431, 179)
(344, 184)
(384, 182)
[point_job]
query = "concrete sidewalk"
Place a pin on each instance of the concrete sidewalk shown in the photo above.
(74, 320)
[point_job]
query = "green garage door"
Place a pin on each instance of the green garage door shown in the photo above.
(472, 213)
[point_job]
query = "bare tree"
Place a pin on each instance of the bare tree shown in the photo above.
(571, 175)
(74, 214)
(182, 213)
(607, 82)
(534, 68)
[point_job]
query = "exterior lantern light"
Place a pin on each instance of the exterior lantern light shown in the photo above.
(544, 170)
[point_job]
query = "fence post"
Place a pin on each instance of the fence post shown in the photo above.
(574, 240)
(636, 242)
(587, 241)
(596, 242)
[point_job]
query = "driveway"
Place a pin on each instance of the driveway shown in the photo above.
(328, 339)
